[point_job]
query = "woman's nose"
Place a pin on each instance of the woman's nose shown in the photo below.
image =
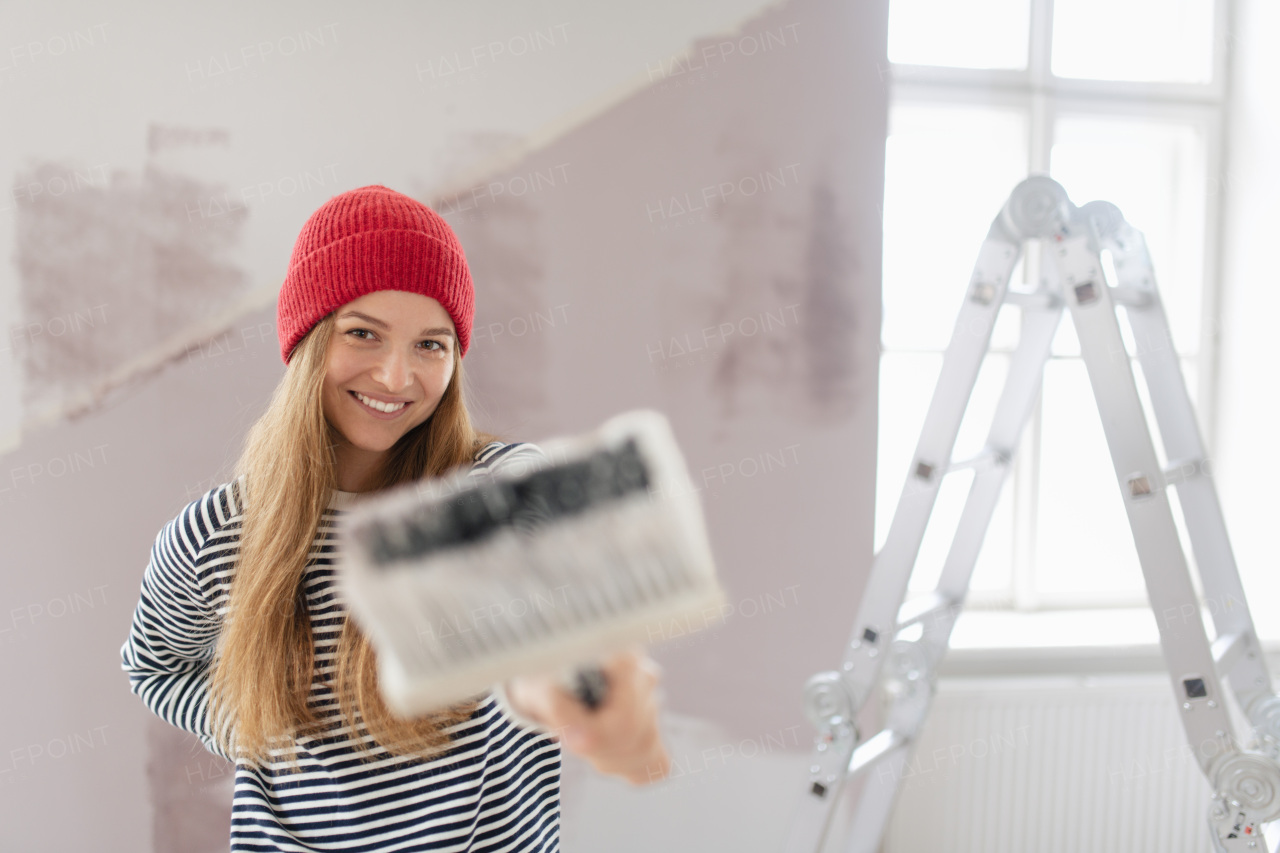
(392, 370)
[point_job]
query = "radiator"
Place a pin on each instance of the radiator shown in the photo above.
(1070, 765)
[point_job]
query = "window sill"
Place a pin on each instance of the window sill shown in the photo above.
(1067, 642)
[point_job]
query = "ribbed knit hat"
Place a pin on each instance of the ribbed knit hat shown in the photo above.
(368, 239)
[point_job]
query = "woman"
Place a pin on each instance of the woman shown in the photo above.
(240, 637)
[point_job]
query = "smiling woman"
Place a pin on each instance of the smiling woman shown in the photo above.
(241, 636)
(380, 383)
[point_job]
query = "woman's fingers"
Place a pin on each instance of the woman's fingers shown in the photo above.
(540, 698)
(621, 736)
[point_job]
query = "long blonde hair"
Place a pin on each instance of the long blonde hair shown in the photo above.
(263, 666)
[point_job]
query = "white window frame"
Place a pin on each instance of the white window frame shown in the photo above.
(1043, 97)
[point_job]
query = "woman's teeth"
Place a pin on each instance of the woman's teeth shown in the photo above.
(381, 407)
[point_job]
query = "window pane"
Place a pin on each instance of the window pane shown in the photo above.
(973, 34)
(1084, 547)
(1140, 40)
(948, 171)
(1155, 173)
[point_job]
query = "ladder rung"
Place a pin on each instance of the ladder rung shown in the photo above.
(1131, 297)
(921, 609)
(1182, 470)
(1227, 648)
(1034, 300)
(985, 459)
(872, 750)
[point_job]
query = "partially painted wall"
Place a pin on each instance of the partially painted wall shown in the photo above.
(128, 244)
(710, 247)
(697, 230)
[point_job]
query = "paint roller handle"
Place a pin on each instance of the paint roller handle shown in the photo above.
(590, 686)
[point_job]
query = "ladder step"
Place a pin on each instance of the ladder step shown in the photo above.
(1131, 297)
(1227, 648)
(985, 459)
(1182, 470)
(874, 749)
(922, 608)
(1035, 300)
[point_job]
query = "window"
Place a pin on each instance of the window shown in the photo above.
(1119, 100)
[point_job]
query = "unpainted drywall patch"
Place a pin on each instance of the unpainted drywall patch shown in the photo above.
(113, 277)
(755, 331)
(830, 309)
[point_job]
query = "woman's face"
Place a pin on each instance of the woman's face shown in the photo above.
(396, 349)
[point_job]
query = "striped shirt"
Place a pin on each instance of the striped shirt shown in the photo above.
(498, 789)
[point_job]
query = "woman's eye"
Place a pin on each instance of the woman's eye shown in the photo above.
(431, 346)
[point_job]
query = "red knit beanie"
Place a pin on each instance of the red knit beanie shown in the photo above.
(368, 239)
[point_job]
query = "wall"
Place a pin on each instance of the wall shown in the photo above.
(628, 269)
(1247, 408)
(173, 154)
(1051, 763)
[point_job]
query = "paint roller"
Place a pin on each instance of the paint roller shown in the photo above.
(468, 580)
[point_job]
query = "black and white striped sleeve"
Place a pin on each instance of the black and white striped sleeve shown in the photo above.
(174, 630)
(516, 458)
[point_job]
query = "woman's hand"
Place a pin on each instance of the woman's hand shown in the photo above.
(621, 736)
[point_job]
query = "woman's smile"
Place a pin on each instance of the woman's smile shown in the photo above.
(388, 411)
